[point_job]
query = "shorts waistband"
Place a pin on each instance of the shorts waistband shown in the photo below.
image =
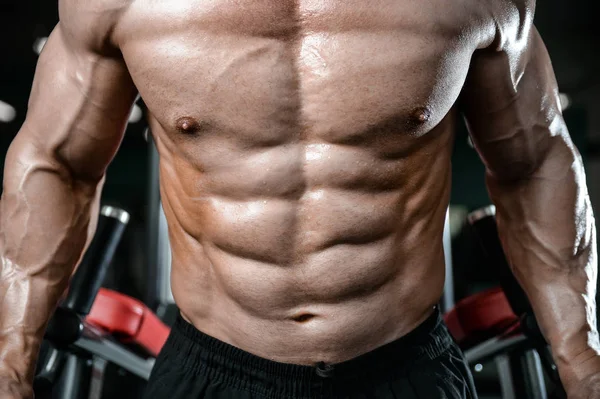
(213, 358)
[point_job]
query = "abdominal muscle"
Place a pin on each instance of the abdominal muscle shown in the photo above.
(322, 272)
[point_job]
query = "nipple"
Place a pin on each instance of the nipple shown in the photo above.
(187, 125)
(421, 115)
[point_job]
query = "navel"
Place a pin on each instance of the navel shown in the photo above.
(303, 318)
(188, 125)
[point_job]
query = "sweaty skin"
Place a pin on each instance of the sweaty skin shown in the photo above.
(305, 167)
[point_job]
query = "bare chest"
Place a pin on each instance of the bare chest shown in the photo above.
(267, 72)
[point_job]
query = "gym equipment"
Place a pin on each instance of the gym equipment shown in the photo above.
(499, 324)
(95, 326)
(447, 301)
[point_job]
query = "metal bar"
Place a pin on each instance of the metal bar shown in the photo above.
(505, 375)
(152, 283)
(75, 378)
(90, 274)
(448, 297)
(492, 348)
(118, 355)
(97, 382)
(527, 374)
(165, 294)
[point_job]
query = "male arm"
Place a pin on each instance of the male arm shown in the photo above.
(536, 179)
(78, 110)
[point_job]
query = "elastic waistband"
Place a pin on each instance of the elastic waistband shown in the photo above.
(203, 354)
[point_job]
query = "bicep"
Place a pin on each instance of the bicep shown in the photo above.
(79, 105)
(512, 108)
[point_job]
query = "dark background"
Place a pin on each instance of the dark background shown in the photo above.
(569, 28)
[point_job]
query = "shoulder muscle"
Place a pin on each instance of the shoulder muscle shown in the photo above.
(512, 21)
(89, 24)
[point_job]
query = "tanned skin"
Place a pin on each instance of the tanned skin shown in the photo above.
(305, 168)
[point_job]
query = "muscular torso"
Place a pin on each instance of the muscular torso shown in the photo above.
(305, 162)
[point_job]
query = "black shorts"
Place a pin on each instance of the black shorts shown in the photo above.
(425, 364)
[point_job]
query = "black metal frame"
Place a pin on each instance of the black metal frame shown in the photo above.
(66, 371)
(153, 195)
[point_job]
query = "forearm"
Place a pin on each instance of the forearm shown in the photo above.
(45, 218)
(547, 229)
